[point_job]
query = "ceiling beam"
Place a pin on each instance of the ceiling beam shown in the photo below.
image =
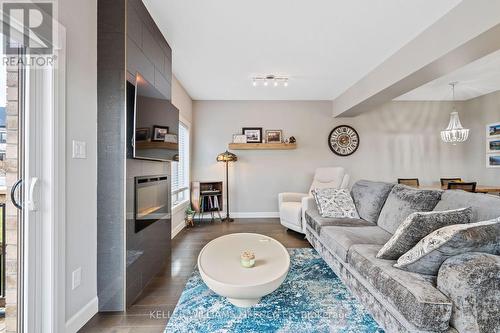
(468, 32)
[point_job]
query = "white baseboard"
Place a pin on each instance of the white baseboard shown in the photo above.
(254, 215)
(75, 323)
(244, 215)
(178, 229)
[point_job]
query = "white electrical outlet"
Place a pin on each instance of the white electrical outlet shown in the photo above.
(76, 278)
(79, 149)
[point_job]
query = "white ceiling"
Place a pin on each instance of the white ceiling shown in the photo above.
(325, 46)
(478, 78)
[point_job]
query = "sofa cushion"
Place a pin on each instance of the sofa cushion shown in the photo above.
(471, 281)
(339, 239)
(484, 207)
(427, 256)
(316, 222)
(413, 295)
(369, 198)
(291, 212)
(417, 226)
(404, 200)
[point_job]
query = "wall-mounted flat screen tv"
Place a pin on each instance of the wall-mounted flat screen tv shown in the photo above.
(156, 124)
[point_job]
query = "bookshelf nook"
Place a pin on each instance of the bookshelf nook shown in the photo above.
(207, 197)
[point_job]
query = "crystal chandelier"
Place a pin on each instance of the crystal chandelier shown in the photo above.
(454, 132)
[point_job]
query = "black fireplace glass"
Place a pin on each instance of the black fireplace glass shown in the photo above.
(152, 200)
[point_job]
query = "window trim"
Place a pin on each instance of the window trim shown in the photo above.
(181, 204)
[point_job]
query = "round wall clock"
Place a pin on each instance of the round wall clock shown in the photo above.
(343, 140)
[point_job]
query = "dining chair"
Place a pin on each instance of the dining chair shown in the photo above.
(413, 182)
(469, 187)
(445, 181)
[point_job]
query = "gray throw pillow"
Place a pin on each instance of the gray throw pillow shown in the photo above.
(404, 200)
(335, 203)
(417, 226)
(427, 256)
(369, 198)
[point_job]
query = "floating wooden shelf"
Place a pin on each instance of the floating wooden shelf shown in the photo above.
(157, 145)
(262, 146)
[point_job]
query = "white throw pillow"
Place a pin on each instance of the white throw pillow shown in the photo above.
(334, 202)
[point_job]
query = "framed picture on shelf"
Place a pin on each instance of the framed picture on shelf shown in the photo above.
(493, 160)
(159, 133)
(253, 134)
(274, 136)
(239, 138)
(142, 134)
(171, 138)
(493, 131)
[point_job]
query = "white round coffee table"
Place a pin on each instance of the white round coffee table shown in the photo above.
(220, 268)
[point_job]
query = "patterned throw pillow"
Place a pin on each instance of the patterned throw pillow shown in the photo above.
(417, 226)
(335, 203)
(427, 256)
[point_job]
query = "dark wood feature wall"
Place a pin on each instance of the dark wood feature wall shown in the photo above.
(128, 42)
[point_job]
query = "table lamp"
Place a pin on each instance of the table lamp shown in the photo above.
(227, 157)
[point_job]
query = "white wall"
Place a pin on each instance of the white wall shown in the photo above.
(182, 100)
(80, 20)
(479, 112)
(399, 139)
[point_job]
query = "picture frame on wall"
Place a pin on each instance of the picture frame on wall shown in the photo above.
(493, 131)
(493, 160)
(493, 146)
(253, 134)
(142, 134)
(274, 136)
(159, 133)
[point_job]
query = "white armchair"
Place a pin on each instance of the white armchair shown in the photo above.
(292, 206)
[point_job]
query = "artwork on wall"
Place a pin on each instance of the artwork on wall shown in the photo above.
(493, 131)
(493, 160)
(159, 133)
(493, 145)
(142, 134)
(274, 136)
(253, 134)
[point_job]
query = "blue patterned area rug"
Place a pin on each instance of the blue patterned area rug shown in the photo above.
(312, 299)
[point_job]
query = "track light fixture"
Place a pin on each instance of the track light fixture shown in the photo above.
(275, 80)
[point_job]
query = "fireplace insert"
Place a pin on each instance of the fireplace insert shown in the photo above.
(152, 200)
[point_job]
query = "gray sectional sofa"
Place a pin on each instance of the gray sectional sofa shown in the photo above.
(402, 301)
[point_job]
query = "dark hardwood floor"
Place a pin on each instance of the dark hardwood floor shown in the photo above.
(151, 311)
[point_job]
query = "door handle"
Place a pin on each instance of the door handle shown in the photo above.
(18, 205)
(32, 205)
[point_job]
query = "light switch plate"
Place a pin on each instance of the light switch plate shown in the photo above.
(79, 149)
(76, 278)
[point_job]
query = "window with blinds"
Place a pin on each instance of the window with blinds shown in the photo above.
(180, 169)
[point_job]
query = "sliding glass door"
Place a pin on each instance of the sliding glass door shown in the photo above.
(31, 170)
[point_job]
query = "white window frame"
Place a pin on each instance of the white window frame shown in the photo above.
(43, 268)
(176, 206)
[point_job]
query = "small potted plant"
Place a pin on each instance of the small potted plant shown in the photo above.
(189, 217)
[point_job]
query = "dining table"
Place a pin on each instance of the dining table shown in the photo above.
(479, 188)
